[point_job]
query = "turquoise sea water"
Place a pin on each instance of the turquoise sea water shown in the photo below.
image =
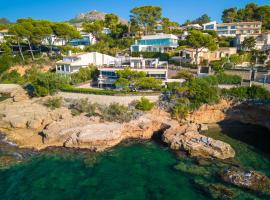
(132, 170)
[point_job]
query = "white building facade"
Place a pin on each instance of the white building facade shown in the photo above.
(234, 28)
(74, 62)
(262, 41)
(155, 43)
(152, 67)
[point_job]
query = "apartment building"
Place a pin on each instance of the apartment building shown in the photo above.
(232, 29)
(262, 41)
(155, 43)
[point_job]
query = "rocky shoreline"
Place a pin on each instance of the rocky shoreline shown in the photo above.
(30, 124)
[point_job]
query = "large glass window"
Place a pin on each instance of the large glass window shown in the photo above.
(222, 27)
(158, 42)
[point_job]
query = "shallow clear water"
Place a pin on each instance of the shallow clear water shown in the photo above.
(133, 170)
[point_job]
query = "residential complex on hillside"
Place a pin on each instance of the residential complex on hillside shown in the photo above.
(232, 29)
(155, 43)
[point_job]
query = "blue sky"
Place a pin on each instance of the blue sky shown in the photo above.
(61, 10)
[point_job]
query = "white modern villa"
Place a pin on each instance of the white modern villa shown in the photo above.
(72, 63)
(151, 66)
(155, 43)
(234, 28)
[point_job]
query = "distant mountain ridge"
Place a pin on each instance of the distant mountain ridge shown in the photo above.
(93, 16)
(4, 21)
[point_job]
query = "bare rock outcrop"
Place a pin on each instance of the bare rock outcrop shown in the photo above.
(16, 92)
(187, 138)
(29, 114)
(84, 133)
(251, 114)
(208, 114)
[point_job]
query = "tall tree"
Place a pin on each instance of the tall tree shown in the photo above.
(146, 17)
(167, 23)
(65, 30)
(111, 21)
(202, 19)
(33, 31)
(251, 12)
(95, 27)
(199, 40)
(249, 44)
(229, 15)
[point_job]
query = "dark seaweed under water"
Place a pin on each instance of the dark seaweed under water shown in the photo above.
(132, 170)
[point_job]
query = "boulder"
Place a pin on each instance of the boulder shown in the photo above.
(246, 179)
(187, 138)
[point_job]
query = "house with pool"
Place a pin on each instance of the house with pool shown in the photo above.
(155, 43)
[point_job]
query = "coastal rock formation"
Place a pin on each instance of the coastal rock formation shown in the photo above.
(251, 113)
(246, 179)
(22, 121)
(208, 114)
(99, 136)
(16, 92)
(187, 138)
(29, 114)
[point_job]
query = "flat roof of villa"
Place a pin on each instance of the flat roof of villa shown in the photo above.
(137, 69)
(159, 36)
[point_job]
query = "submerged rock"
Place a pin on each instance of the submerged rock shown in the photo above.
(246, 179)
(215, 191)
(192, 169)
(187, 138)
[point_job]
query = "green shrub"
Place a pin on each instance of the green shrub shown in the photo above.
(258, 92)
(11, 77)
(54, 102)
(116, 112)
(181, 109)
(212, 80)
(83, 75)
(144, 104)
(184, 74)
(48, 83)
(223, 78)
(200, 92)
(103, 92)
(148, 83)
(243, 93)
(41, 91)
(84, 106)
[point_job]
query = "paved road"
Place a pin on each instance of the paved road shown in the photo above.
(105, 99)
